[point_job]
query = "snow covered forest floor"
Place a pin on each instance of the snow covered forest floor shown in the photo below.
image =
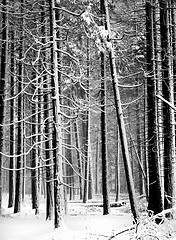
(84, 221)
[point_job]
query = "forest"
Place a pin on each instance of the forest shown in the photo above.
(87, 104)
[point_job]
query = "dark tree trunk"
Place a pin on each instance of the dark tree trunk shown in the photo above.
(49, 192)
(77, 142)
(68, 155)
(86, 123)
(97, 166)
(2, 85)
(155, 194)
(18, 187)
(167, 95)
(49, 198)
(121, 123)
(86, 159)
(12, 129)
(105, 191)
(138, 127)
(117, 173)
(59, 192)
(34, 171)
(173, 13)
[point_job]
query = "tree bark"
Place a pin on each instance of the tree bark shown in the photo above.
(105, 190)
(34, 164)
(12, 129)
(56, 83)
(86, 131)
(18, 187)
(77, 142)
(2, 86)
(122, 131)
(173, 7)
(155, 193)
(167, 112)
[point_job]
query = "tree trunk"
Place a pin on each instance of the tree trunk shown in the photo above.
(86, 131)
(167, 112)
(56, 83)
(12, 129)
(173, 7)
(97, 166)
(34, 164)
(105, 190)
(155, 194)
(46, 97)
(18, 187)
(2, 85)
(122, 131)
(117, 170)
(77, 142)
(139, 151)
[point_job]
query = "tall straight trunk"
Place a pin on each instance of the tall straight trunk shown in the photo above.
(138, 133)
(77, 142)
(24, 150)
(145, 150)
(2, 85)
(105, 190)
(56, 84)
(167, 112)
(97, 166)
(12, 129)
(46, 98)
(121, 123)
(155, 193)
(49, 193)
(86, 131)
(68, 155)
(90, 184)
(86, 159)
(34, 164)
(158, 82)
(173, 7)
(117, 170)
(18, 186)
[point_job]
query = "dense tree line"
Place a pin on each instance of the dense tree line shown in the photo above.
(87, 98)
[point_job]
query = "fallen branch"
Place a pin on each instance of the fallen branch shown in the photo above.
(114, 204)
(122, 231)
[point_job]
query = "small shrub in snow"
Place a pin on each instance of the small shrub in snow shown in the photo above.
(147, 228)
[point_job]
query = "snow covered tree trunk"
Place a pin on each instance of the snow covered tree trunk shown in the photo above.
(86, 130)
(121, 123)
(58, 176)
(2, 84)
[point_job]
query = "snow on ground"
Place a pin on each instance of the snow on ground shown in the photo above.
(82, 222)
